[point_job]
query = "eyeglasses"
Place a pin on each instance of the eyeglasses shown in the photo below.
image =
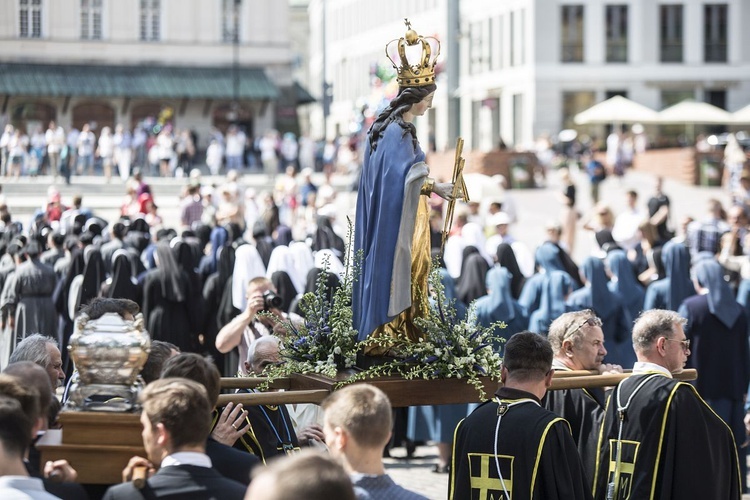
(590, 321)
(685, 343)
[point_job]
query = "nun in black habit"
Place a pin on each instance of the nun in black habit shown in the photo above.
(217, 297)
(169, 307)
(61, 297)
(471, 283)
(123, 284)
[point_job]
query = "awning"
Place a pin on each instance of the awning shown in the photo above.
(302, 95)
(134, 81)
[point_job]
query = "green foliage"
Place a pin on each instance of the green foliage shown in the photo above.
(451, 348)
(327, 343)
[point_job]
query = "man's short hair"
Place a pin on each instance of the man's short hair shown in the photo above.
(25, 394)
(566, 327)
(180, 405)
(15, 427)
(30, 373)
(158, 354)
(198, 369)
(309, 475)
(100, 306)
(363, 411)
(653, 324)
(33, 348)
(528, 356)
(259, 280)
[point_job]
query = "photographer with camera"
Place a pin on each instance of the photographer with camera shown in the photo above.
(249, 325)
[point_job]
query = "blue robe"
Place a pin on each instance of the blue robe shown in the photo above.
(669, 292)
(543, 296)
(626, 286)
(499, 305)
(392, 177)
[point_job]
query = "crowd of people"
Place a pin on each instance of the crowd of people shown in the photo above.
(202, 282)
(157, 148)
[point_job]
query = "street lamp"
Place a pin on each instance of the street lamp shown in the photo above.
(233, 113)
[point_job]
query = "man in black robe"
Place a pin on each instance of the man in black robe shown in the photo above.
(659, 439)
(511, 446)
(578, 343)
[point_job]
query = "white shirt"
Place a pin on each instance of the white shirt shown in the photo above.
(641, 367)
(23, 488)
(55, 139)
(236, 144)
(187, 458)
(625, 230)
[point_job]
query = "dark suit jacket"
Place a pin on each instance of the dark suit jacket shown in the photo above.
(230, 462)
(187, 482)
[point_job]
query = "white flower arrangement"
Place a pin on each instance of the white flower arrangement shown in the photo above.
(326, 343)
(451, 348)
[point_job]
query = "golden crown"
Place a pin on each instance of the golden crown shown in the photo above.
(417, 64)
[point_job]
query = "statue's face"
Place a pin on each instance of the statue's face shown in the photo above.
(422, 106)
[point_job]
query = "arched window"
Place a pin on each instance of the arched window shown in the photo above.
(96, 114)
(224, 115)
(28, 115)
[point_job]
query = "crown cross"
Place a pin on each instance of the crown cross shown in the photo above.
(413, 70)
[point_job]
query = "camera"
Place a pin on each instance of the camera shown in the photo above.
(271, 300)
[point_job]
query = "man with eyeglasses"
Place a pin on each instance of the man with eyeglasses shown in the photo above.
(578, 343)
(659, 439)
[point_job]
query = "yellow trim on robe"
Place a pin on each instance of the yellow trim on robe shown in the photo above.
(421, 261)
(539, 451)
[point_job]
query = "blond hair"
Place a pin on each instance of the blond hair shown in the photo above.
(363, 411)
(182, 406)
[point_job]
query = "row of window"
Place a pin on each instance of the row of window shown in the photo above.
(346, 20)
(30, 13)
(487, 37)
(671, 33)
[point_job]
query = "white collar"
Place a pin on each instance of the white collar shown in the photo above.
(187, 458)
(641, 367)
(560, 366)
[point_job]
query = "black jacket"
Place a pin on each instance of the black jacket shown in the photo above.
(188, 482)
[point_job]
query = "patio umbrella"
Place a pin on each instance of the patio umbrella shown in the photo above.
(616, 110)
(690, 111)
(742, 116)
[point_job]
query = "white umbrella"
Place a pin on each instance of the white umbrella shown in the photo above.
(742, 116)
(690, 111)
(616, 110)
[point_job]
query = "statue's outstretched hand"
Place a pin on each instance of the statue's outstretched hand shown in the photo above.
(444, 190)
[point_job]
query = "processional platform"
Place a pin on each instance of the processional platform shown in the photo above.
(100, 444)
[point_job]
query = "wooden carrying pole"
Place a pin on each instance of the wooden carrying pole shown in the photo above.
(253, 382)
(274, 398)
(591, 381)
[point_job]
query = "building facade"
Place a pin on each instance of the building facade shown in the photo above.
(528, 66)
(347, 43)
(202, 63)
